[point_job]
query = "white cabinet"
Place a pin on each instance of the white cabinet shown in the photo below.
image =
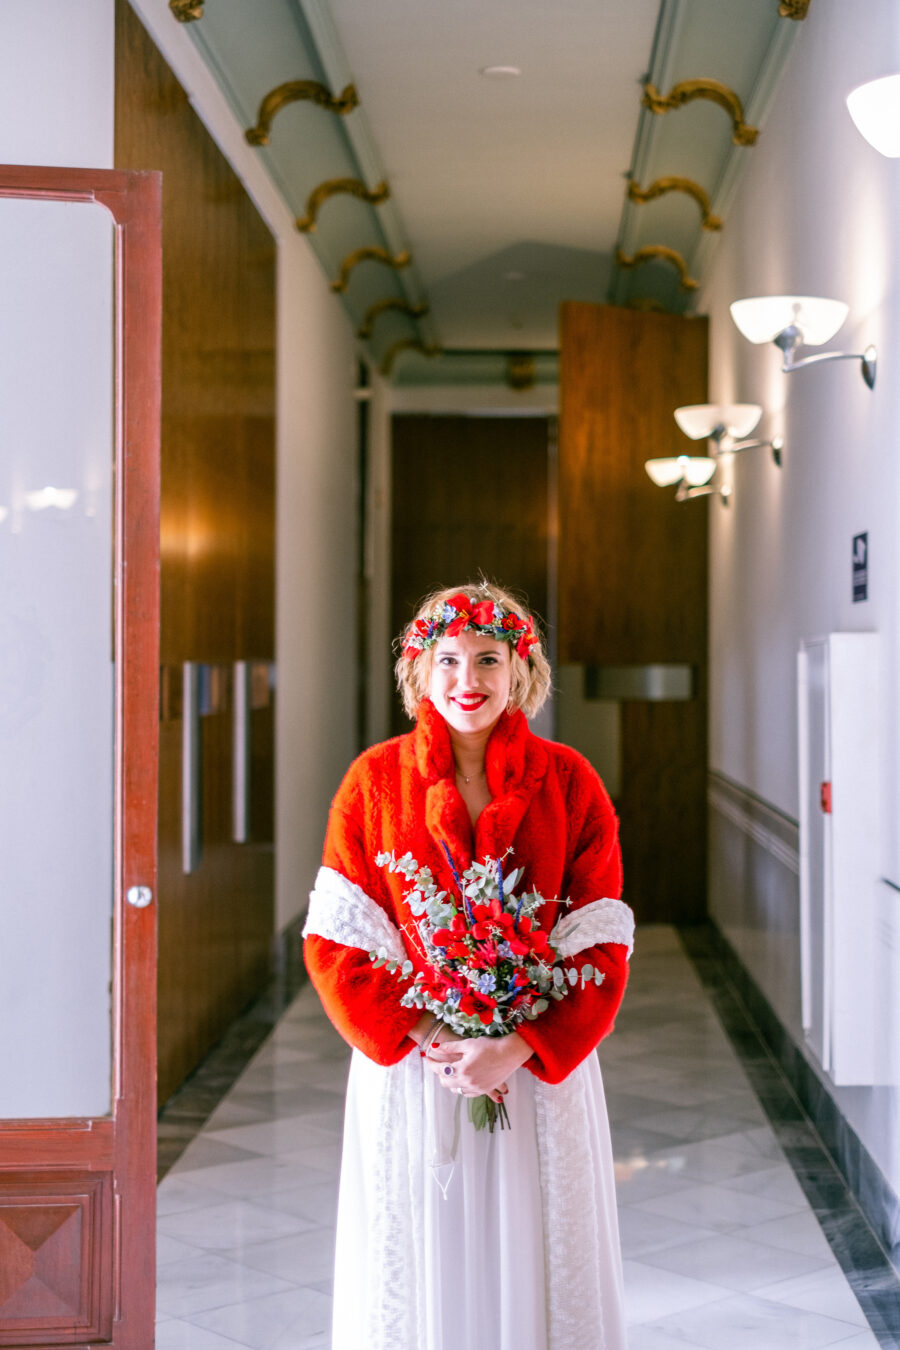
(850, 940)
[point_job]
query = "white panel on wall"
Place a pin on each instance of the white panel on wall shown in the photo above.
(850, 973)
(56, 665)
(57, 83)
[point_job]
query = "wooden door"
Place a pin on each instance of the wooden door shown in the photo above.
(77, 1188)
(633, 578)
(470, 495)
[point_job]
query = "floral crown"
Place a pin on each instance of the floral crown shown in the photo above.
(459, 614)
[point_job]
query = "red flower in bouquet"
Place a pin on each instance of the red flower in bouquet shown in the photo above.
(489, 963)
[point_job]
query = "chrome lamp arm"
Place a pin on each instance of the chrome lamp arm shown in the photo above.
(789, 339)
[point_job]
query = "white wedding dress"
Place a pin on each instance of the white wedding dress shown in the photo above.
(512, 1244)
(451, 1238)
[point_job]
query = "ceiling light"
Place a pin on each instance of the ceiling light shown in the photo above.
(701, 420)
(500, 72)
(792, 320)
(875, 108)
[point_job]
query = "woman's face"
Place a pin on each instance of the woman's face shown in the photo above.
(470, 681)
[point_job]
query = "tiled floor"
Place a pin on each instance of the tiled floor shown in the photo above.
(722, 1248)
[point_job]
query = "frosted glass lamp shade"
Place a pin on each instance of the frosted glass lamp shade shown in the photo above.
(693, 469)
(763, 317)
(875, 108)
(699, 420)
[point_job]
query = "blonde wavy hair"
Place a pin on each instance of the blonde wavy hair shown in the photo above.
(530, 678)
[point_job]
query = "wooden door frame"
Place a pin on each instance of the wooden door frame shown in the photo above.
(109, 1164)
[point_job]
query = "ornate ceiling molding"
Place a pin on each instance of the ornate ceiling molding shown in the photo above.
(405, 345)
(383, 307)
(793, 9)
(296, 91)
(676, 184)
(187, 11)
(689, 90)
(658, 253)
(332, 187)
(374, 253)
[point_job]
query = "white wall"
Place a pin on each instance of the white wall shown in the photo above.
(818, 213)
(316, 566)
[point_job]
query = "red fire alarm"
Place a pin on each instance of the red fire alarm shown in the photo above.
(825, 797)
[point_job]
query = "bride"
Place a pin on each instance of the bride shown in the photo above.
(448, 1237)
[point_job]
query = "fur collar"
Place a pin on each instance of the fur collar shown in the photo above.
(515, 763)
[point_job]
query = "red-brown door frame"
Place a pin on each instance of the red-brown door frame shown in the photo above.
(104, 1170)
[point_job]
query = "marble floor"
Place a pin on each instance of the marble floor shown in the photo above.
(723, 1238)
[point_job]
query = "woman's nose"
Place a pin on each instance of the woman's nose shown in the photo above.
(469, 672)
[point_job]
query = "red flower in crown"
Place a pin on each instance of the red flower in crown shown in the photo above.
(483, 613)
(415, 639)
(526, 641)
(463, 606)
(512, 622)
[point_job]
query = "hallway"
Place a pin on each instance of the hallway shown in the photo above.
(722, 1247)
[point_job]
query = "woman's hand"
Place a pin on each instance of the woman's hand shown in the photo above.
(481, 1064)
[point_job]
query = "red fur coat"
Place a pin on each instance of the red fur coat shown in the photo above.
(547, 803)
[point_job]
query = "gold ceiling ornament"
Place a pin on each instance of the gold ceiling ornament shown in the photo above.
(298, 91)
(382, 307)
(689, 90)
(676, 184)
(405, 345)
(793, 9)
(662, 253)
(374, 253)
(521, 372)
(187, 11)
(332, 187)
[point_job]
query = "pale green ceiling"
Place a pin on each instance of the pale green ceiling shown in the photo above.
(510, 195)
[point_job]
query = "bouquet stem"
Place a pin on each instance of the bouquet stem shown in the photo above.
(484, 1113)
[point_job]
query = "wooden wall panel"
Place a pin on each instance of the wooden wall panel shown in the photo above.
(217, 540)
(633, 576)
(470, 494)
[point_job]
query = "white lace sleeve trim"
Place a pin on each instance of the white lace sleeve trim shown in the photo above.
(600, 921)
(340, 911)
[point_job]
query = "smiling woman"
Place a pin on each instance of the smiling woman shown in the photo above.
(452, 858)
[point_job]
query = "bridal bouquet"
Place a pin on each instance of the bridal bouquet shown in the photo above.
(490, 966)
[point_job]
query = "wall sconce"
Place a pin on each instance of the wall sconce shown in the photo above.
(691, 473)
(792, 320)
(875, 108)
(728, 425)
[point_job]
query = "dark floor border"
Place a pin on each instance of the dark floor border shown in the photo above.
(190, 1107)
(773, 1066)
